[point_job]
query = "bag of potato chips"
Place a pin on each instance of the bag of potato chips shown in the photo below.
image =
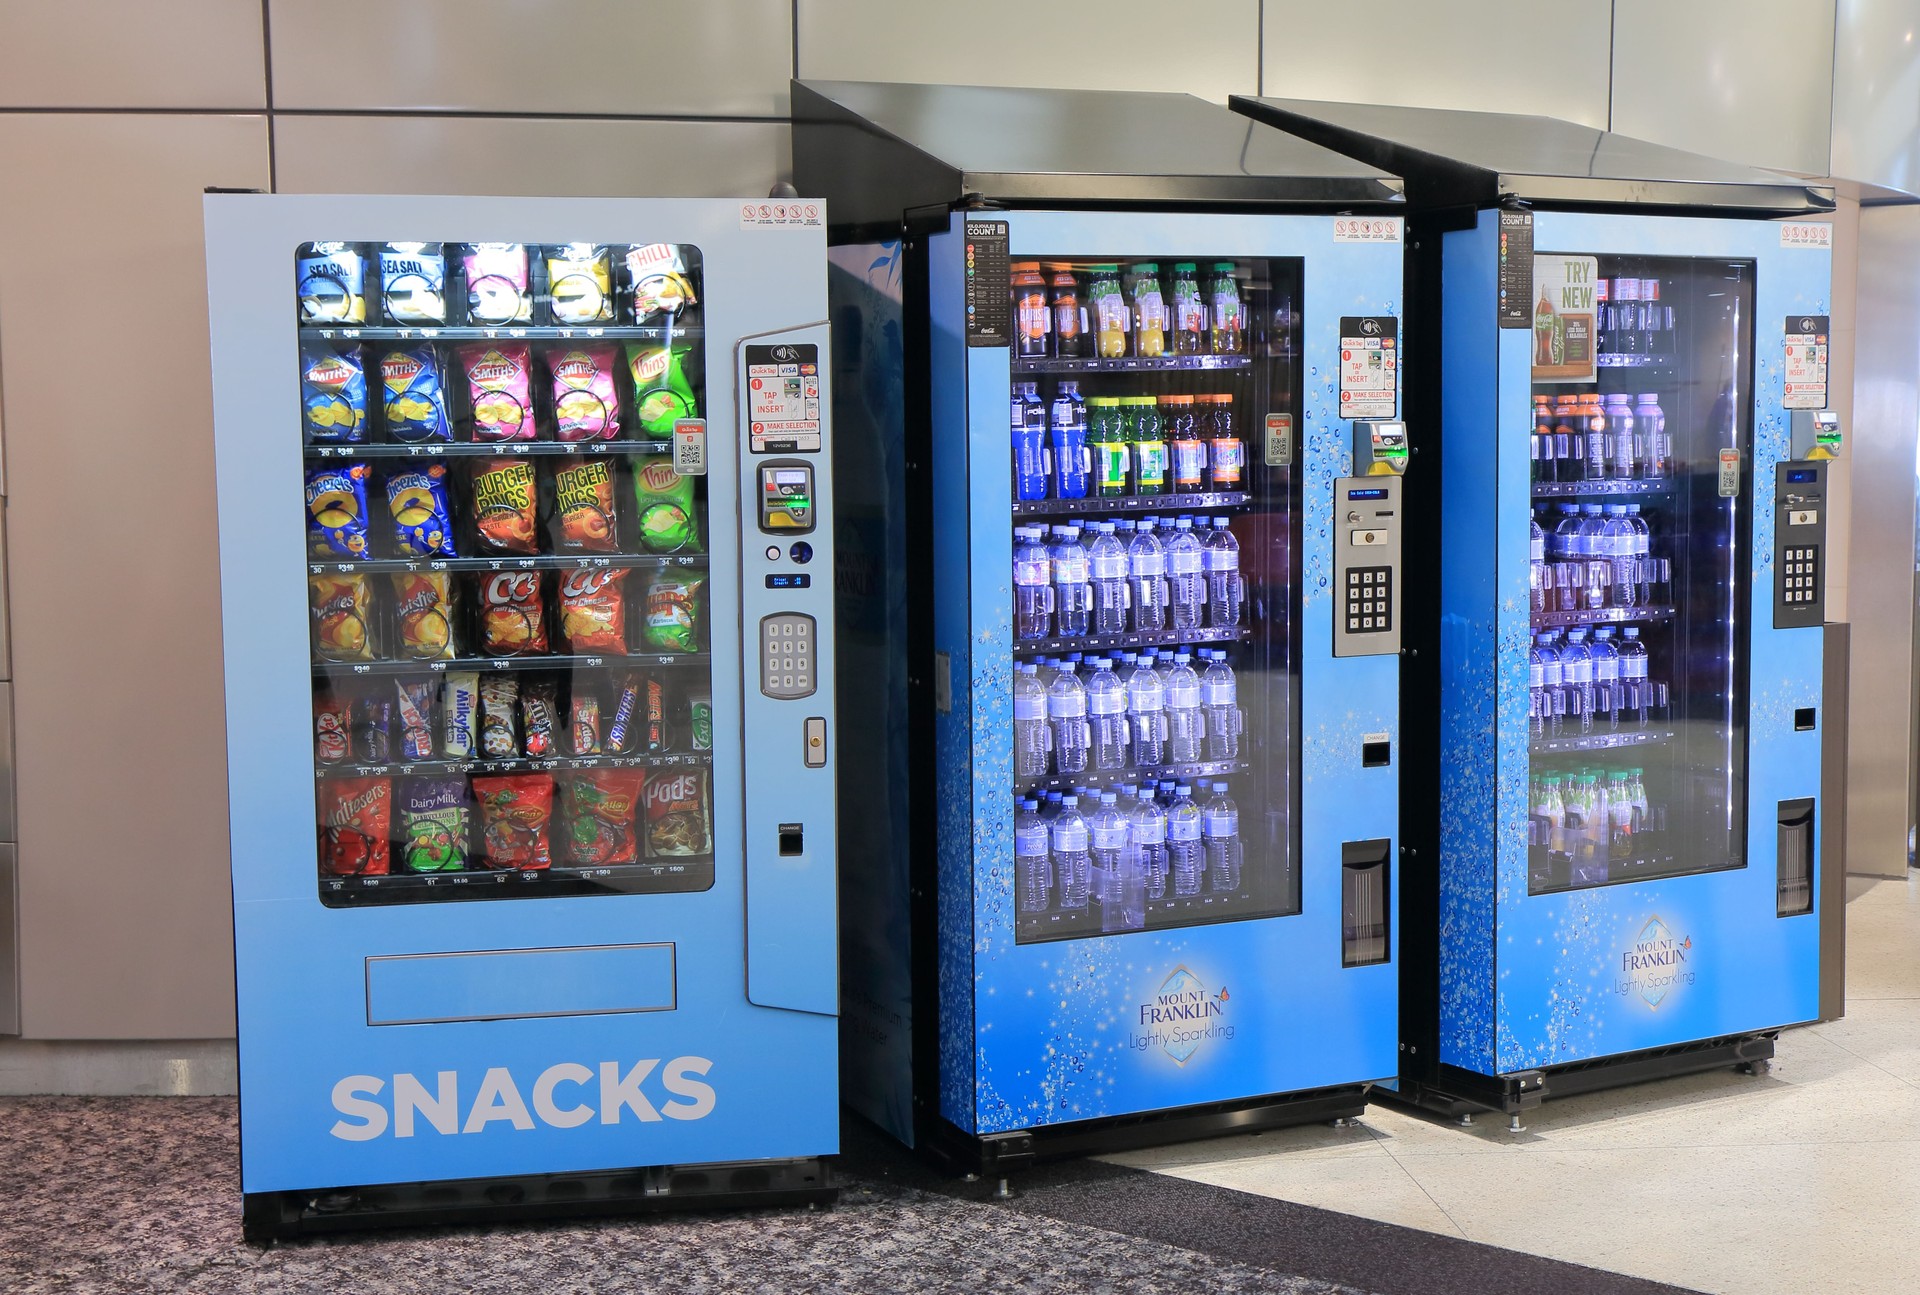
(332, 283)
(333, 394)
(580, 283)
(412, 276)
(337, 510)
(342, 610)
(497, 291)
(583, 514)
(505, 503)
(662, 392)
(416, 402)
(585, 404)
(500, 386)
(513, 613)
(665, 501)
(423, 610)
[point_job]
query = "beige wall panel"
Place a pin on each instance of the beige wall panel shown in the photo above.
(126, 927)
(1876, 92)
(131, 54)
(1493, 55)
(530, 156)
(611, 57)
(1745, 80)
(1206, 47)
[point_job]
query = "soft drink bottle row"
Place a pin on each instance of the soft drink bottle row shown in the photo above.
(1592, 817)
(1109, 312)
(1117, 447)
(1632, 318)
(1137, 710)
(1594, 557)
(1154, 838)
(1579, 685)
(1590, 437)
(1125, 578)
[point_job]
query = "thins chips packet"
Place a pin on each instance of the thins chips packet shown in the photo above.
(505, 503)
(333, 394)
(337, 510)
(663, 284)
(497, 290)
(580, 283)
(434, 814)
(665, 500)
(412, 276)
(500, 386)
(423, 611)
(585, 405)
(354, 817)
(513, 613)
(583, 513)
(422, 521)
(342, 609)
(416, 400)
(600, 816)
(662, 392)
(514, 813)
(332, 283)
(593, 611)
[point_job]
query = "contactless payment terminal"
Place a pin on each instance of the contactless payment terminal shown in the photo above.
(786, 497)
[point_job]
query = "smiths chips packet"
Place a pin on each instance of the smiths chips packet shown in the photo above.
(499, 717)
(433, 817)
(593, 611)
(416, 718)
(354, 817)
(411, 278)
(662, 391)
(665, 500)
(337, 510)
(583, 512)
(580, 283)
(416, 400)
(500, 386)
(504, 505)
(600, 816)
(332, 283)
(497, 291)
(459, 707)
(673, 612)
(514, 813)
(585, 405)
(662, 282)
(679, 823)
(423, 613)
(333, 394)
(513, 613)
(342, 609)
(422, 523)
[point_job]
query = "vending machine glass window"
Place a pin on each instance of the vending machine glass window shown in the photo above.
(1156, 576)
(512, 689)
(1642, 467)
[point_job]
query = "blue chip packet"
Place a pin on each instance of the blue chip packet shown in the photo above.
(412, 276)
(416, 398)
(331, 283)
(333, 395)
(422, 523)
(337, 510)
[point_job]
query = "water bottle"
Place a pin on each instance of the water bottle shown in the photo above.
(1107, 716)
(1147, 830)
(1221, 558)
(1107, 569)
(1110, 851)
(1186, 723)
(1220, 829)
(1072, 595)
(1067, 713)
(1606, 680)
(1553, 702)
(1633, 677)
(1220, 694)
(1147, 568)
(1146, 710)
(1071, 864)
(1536, 688)
(1186, 855)
(1620, 816)
(1072, 461)
(1029, 723)
(1032, 862)
(1569, 560)
(1599, 443)
(1623, 439)
(1652, 422)
(1626, 566)
(1576, 667)
(1032, 584)
(1030, 457)
(1186, 580)
(1640, 542)
(1597, 541)
(1539, 582)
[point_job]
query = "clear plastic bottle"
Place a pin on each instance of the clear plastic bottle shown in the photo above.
(1536, 690)
(1539, 581)
(1597, 542)
(1633, 678)
(1640, 542)
(1553, 702)
(1220, 694)
(1652, 422)
(1576, 668)
(1032, 463)
(1107, 717)
(1186, 853)
(1147, 712)
(1067, 714)
(1050, 806)
(1107, 572)
(1186, 578)
(1032, 584)
(1625, 445)
(1599, 445)
(1071, 861)
(1569, 553)
(1030, 730)
(1220, 832)
(1606, 680)
(1032, 858)
(1620, 816)
(1072, 460)
(1625, 539)
(1147, 568)
(1220, 556)
(1072, 594)
(1108, 832)
(1147, 830)
(1186, 722)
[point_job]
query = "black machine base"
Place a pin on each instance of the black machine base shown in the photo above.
(1454, 1092)
(999, 1154)
(281, 1216)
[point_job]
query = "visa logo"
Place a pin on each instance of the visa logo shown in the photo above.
(562, 1096)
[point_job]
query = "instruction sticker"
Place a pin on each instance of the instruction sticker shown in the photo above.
(1369, 366)
(1806, 368)
(783, 399)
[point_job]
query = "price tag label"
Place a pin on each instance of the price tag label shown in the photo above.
(690, 447)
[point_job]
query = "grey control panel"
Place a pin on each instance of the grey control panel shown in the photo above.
(1366, 566)
(787, 655)
(1799, 544)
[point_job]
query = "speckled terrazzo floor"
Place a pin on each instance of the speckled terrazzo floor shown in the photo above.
(141, 1194)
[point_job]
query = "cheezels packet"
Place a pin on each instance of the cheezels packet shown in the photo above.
(422, 519)
(337, 510)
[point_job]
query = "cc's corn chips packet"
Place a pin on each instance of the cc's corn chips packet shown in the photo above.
(665, 501)
(500, 386)
(593, 611)
(513, 613)
(504, 505)
(354, 816)
(600, 816)
(423, 611)
(580, 283)
(416, 400)
(331, 279)
(514, 812)
(422, 523)
(337, 510)
(583, 513)
(662, 391)
(434, 813)
(333, 394)
(662, 282)
(497, 290)
(412, 276)
(585, 405)
(342, 610)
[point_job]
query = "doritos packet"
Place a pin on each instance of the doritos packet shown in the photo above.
(661, 281)
(585, 405)
(333, 394)
(665, 501)
(662, 392)
(601, 806)
(422, 518)
(497, 286)
(505, 505)
(583, 512)
(514, 813)
(342, 611)
(434, 815)
(423, 614)
(354, 817)
(412, 279)
(415, 407)
(580, 283)
(337, 510)
(331, 283)
(500, 388)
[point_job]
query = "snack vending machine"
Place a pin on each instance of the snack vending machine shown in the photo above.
(1630, 590)
(1129, 390)
(530, 703)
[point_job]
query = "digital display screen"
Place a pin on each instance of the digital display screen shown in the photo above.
(1803, 476)
(794, 581)
(1379, 493)
(790, 476)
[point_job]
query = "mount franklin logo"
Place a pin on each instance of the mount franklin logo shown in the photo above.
(1181, 1015)
(1655, 963)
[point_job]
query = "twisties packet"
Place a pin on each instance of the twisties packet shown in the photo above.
(416, 398)
(422, 523)
(500, 387)
(333, 394)
(497, 291)
(342, 610)
(331, 283)
(580, 282)
(423, 614)
(585, 405)
(412, 278)
(662, 391)
(337, 510)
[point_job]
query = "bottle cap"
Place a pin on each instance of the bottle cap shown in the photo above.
(1107, 798)
(1219, 788)
(1070, 800)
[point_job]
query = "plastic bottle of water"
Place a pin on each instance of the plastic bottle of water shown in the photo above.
(1072, 460)
(1633, 677)
(1539, 582)
(1029, 723)
(1598, 575)
(1067, 713)
(1220, 694)
(1107, 569)
(1147, 830)
(1640, 542)
(1186, 854)
(1569, 553)
(1553, 702)
(1031, 461)
(1032, 584)
(1147, 566)
(1032, 859)
(1624, 536)
(1147, 712)
(1606, 680)
(1652, 422)
(1072, 595)
(1186, 722)
(1576, 667)
(1109, 833)
(1220, 828)
(1221, 558)
(1107, 716)
(1071, 864)
(1186, 578)
(1537, 707)
(1050, 806)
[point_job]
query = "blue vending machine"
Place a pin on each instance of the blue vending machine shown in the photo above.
(1618, 869)
(530, 703)
(1127, 806)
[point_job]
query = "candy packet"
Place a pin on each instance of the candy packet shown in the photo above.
(505, 505)
(662, 391)
(373, 728)
(500, 387)
(580, 283)
(332, 727)
(337, 510)
(499, 717)
(416, 718)
(433, 815)
(665, 501)
(629, 719)
(540, 719)
(459, 707)
(355, 814)
(600, 816)
(412, 276)
(333, 394)
(514, 813)
(585, 405)
(331, 283)
(422, 520)
(679, 822)
(585, 726)
(415, 407)
(497, 290)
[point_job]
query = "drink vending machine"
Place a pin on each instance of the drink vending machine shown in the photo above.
(530, 691)
(1618, 872)
(1127, 804)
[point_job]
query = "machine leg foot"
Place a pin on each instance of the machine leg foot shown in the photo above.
(1004, 1191)
(1466, 1120)
(1346, 1122)
(1514, 1125)
(1758, 1069)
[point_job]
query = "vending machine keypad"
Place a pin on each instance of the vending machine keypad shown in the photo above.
(1799, 538)
(1366, 563)
(787, 655)
(1369, 608)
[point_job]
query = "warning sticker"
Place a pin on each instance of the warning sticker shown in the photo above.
(1806, 368)
(1806, 233)
(783, 399)
(1369, 366)
(775, 214)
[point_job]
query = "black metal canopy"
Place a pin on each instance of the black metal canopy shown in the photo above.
(1479, 159)
(876, 150)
